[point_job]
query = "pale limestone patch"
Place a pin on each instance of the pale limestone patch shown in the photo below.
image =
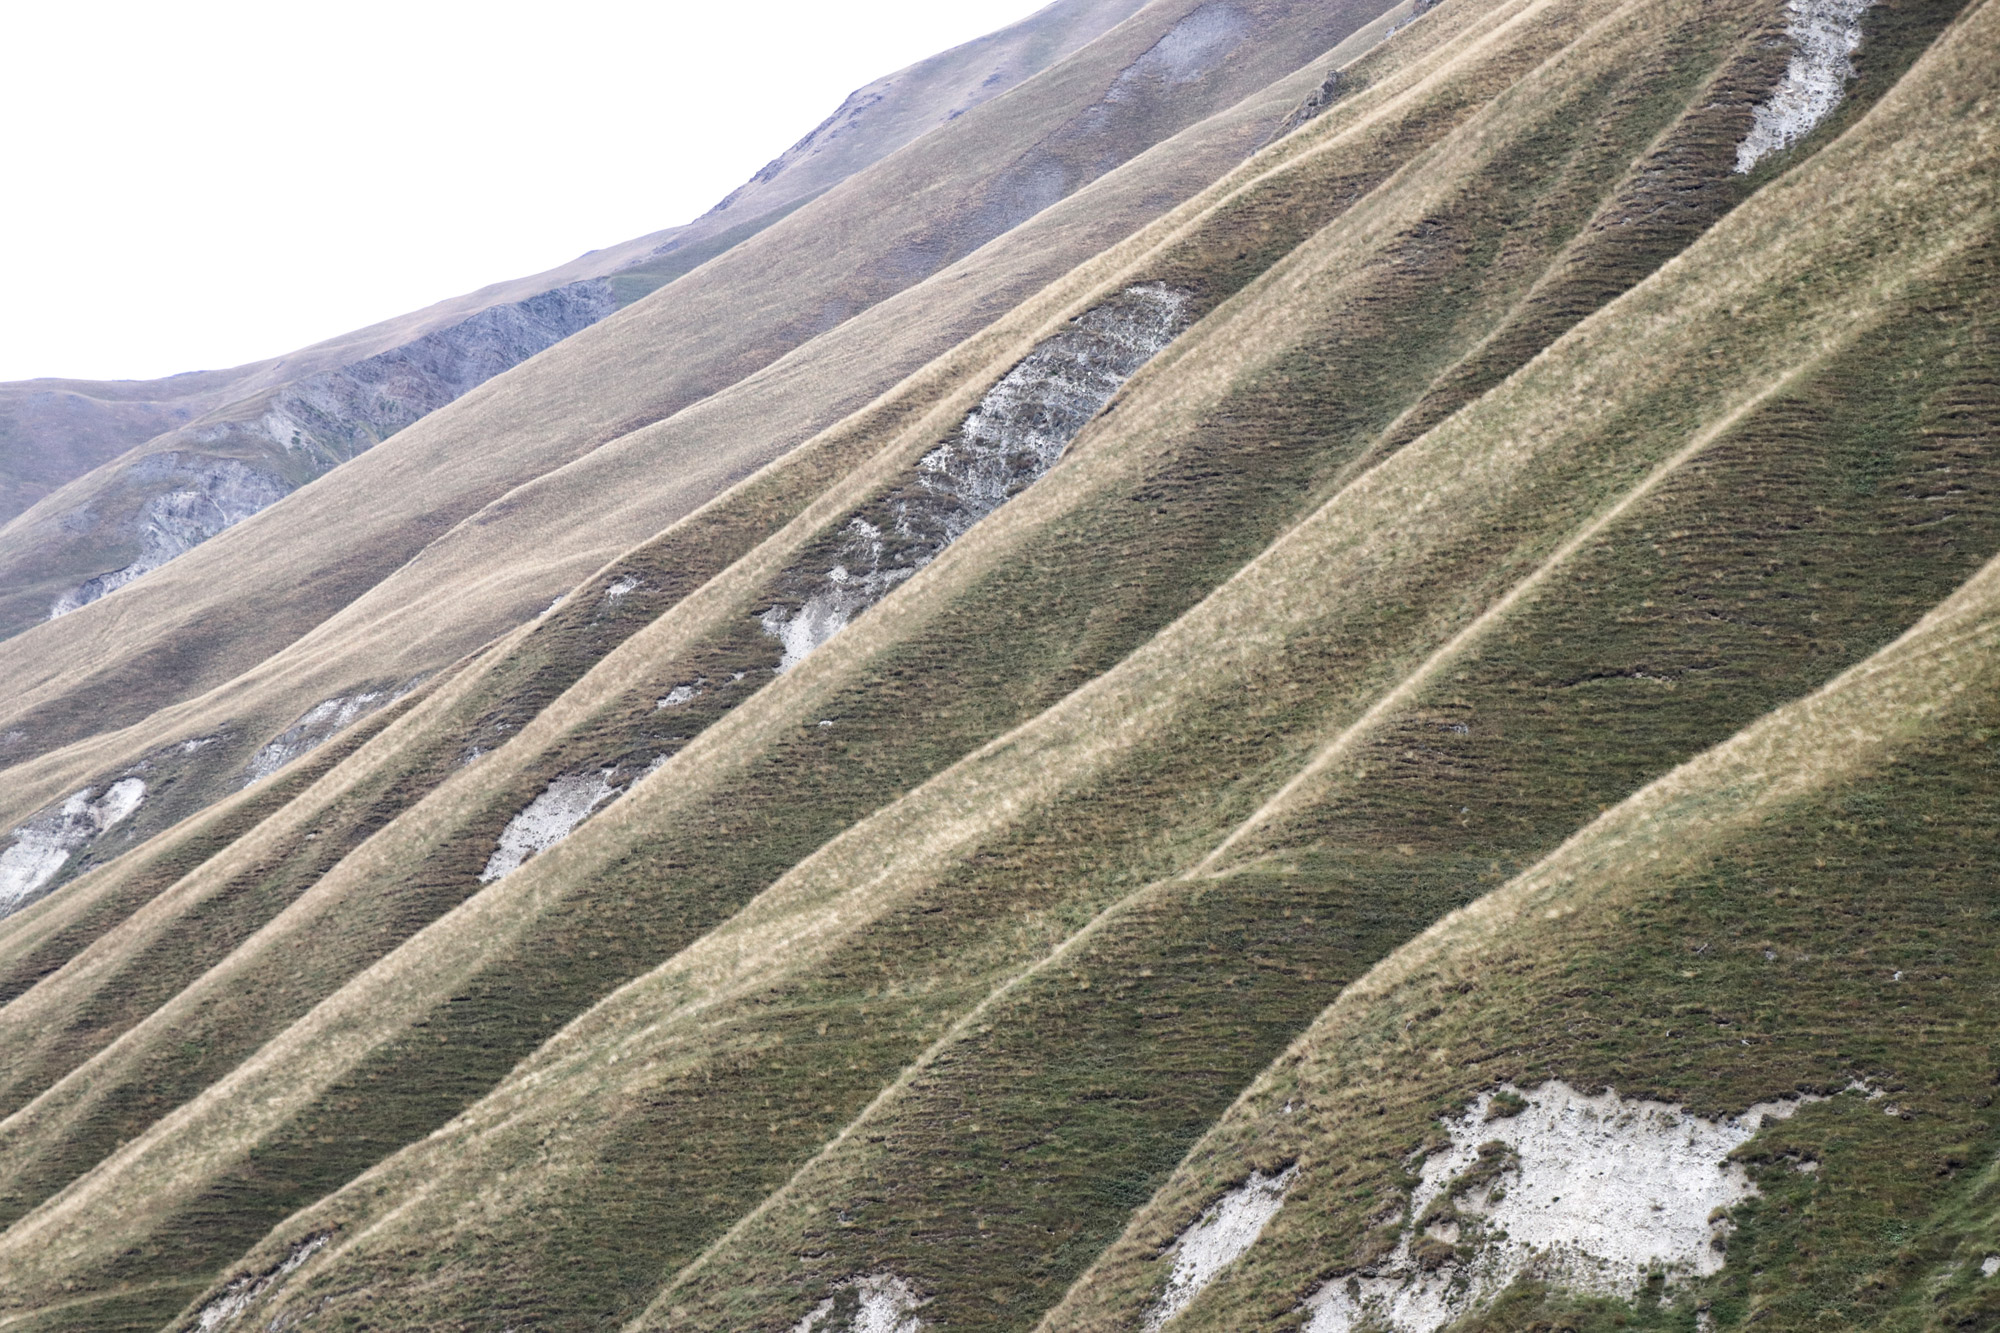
(1826, 33)
(1006, 444)
(44, 845)
(1218, 1239)
(1991, 1266)
(549, 819)
(320, 724)
(622, 589)
(1596, 1194)
(888, 1304)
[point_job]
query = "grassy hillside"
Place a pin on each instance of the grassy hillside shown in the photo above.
(293, 418)
(1721, 939)
(201, 624)
(989, 1172)
(1520, 463)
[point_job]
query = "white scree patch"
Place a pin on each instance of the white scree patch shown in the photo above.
(1591, 1193)
(319, 725)
(44, 845)
(246, 1292)
(1010, 441)
(1826, 33)
(549, 819)
(1991, 1266)
(1229, 1227)
(887, 1305)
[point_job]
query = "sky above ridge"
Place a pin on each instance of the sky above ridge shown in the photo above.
(204, 183)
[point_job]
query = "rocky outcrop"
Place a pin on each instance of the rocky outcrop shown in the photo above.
(1825, 35)
(336, 415)
(43, 846)
(317, 423)
(320, 724)
(1015, 435)
(208, 496)
(1316, 102)
(549, 819)
(878, 1303)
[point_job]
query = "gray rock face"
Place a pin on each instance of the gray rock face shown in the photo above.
(209, 495)
(315, 424)
(1006, 444)
(1316, 103)
(342, 413)
(321, 724)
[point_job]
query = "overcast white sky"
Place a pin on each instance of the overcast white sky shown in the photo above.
(199, 183)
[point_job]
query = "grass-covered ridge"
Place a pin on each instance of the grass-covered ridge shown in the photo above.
(1719, 940)
(1769, 334)
(1464, 511)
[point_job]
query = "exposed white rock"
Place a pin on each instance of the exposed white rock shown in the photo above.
(819, 1316)
(843, 595)
(320, 724)
(887, 1305)
(1219, 1239)
(1991, 1266)
(621, 589)
(45, 844)
(245, 1292)
(1589, 1193)
(680, 696)
(549, 819)
(1016, 434)
(1826, 34)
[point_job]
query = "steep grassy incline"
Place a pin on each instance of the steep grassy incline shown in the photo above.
(658, 1121)
(1805, 912)
(615, 722)
(434, 862)
(219, 613)
(996, 1166)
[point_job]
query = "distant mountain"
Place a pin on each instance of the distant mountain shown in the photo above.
(1323, 670)
(156, 468)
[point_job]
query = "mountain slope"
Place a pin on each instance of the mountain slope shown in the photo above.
(244, 438)
(766, 932)
(192, 627)
(864, 903)
(1716, 943)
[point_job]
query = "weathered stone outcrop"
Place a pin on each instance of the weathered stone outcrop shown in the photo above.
(1825, 35)
(1013, 438)
(218, 472)
(43, 846)
(208, 496)
(320, 724)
